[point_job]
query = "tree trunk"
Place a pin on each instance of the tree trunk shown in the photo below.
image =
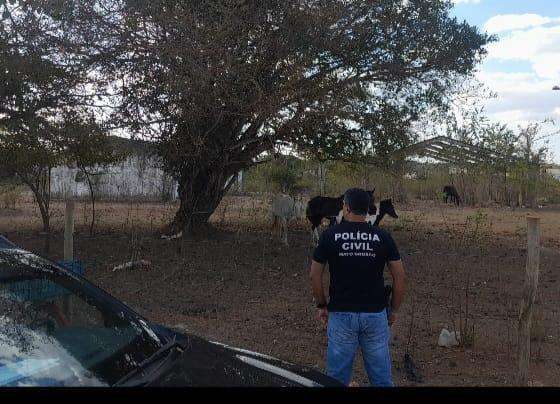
(200, 191)
(322, 178)
(45, 216)
(531, 192)
(40, 185)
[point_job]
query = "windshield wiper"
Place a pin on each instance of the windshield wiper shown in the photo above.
(140, 367)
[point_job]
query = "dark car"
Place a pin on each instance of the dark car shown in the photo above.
(57, 329)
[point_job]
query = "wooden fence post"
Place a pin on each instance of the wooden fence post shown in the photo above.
(240, 180)
(68, 248)
(69, 231)
(528, 300)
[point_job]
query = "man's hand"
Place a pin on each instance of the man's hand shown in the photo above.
(392, 318)
(323, 316)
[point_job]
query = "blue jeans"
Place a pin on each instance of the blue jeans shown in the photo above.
(370, 331)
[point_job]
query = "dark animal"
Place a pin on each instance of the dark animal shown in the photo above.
(451, 194)
(385, 208)
(322, 207)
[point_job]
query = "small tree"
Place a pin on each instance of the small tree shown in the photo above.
(31, 161)
(533, 150)
(89, 148)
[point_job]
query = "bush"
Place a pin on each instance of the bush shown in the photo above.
(10, 195)
(287, 174)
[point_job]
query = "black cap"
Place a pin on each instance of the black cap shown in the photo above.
(357, 200)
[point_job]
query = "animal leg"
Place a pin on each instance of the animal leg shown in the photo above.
(339, 217)
(274, 224)
(284, 231)
(315, 236)
(173, 236)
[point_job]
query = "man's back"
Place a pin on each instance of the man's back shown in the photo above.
(357, 254)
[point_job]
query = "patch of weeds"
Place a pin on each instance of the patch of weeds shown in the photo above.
(404, 223)
(468, 336)
(520, 231)
(475, 234)
(478, 228)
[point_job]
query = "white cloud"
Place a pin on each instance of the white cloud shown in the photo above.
(539, 46)
(510, 22)
(521, 97)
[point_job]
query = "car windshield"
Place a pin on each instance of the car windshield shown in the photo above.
(56, 330)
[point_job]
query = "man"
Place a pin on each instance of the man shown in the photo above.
(356, 313)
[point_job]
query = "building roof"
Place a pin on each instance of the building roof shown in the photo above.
(451, 151)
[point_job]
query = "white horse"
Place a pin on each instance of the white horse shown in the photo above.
(285, 208)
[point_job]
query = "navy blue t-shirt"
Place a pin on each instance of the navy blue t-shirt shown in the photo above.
(357, 253)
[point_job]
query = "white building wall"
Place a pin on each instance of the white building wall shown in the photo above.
(63, 183)
(136, 177)
(555, 172)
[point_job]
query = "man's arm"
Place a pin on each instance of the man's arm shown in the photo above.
(399, 284)
(316, 275)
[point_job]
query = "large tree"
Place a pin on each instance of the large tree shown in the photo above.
(216, 83)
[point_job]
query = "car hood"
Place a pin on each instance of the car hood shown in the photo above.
(5, 243)
(212, 364)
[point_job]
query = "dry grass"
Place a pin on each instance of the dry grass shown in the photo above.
(242, 288)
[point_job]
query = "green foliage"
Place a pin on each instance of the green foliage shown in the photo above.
(280, 175)
(303, 177)
(478, 228)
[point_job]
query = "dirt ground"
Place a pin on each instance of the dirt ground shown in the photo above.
(465, 271)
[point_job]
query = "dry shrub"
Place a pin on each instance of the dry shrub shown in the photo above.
(10, 196)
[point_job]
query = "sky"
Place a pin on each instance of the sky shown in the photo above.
(523, 66)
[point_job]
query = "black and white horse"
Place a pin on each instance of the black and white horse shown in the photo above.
(385, 208)
(322, 207)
